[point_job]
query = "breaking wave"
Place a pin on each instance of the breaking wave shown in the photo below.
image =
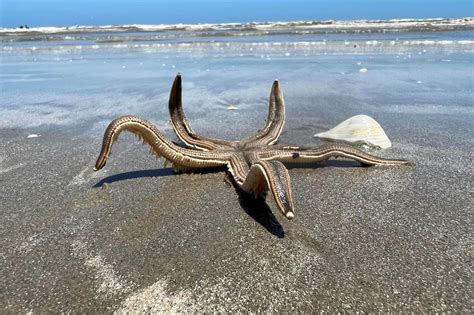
(167, 31)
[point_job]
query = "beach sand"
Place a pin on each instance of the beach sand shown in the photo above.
(136, 237)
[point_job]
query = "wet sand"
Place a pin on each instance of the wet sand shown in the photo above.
(137, 237)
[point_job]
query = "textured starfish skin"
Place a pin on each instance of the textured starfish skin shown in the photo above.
(255, 163)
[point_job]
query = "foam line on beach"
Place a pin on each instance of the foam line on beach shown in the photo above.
(346, 46)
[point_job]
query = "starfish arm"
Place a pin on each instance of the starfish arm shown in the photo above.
(160, 145)
(295, 154)
(263, 176)
(275, 120)
(181, 125)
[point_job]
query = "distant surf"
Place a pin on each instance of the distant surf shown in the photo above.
(253, 28)
(354, 37)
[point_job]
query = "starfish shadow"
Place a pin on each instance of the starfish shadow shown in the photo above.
(159, 172)
(258, 209)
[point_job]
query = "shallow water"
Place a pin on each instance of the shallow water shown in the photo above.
(337, 75)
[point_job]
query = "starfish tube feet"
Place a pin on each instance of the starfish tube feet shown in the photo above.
(160, 145)
(288, 154)
(273, 176)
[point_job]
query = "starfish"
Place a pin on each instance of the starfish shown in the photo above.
(255, 163)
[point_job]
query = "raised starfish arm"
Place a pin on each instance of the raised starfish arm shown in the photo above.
(263, 176)
(181, 125)
(295, 154)
(160, 145)
(275, 120)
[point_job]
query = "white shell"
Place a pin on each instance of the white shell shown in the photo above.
(361, 129)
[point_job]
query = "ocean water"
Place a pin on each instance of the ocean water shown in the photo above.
(84, 77)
